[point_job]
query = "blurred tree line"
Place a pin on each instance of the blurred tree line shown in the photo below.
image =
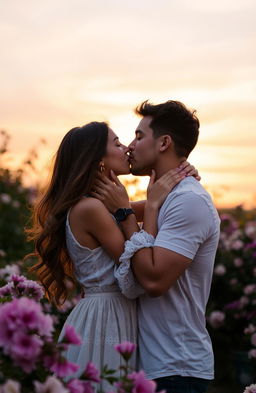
(15, 202)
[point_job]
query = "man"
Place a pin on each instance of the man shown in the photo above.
(174, 345)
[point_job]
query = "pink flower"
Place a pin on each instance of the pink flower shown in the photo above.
(243, 301)
(238, 262)
(253, 339)
(77, 386)
(216, 319)
(141, 384)
(25, 350)
(21, 286)
(71, 337)
(6, 290)
(7, 324)
(249, 289)
(17, 278)
(30, 313)
(10, 386)
(250, 389)
(62, 367)
(2, 253)
(220, 270)
(22, 322)
(126, 349)
(252, 354)
(5, 198)
(91, 372)
(27, 313)
(88, 387)
(33, 290)
(46, 325)
(250, 229)
(51, 385)
(250, 329)
(237, 244)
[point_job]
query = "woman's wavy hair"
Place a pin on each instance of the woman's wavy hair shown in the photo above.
(76, 163)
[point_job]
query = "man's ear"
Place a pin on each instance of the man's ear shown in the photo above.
(165, 142)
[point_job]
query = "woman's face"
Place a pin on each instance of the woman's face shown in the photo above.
(116, 157)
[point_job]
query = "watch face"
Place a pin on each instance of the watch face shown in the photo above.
(120, 214)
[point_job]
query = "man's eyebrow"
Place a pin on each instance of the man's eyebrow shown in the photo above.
(139, 132)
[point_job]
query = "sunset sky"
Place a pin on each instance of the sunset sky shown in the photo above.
(65, 63)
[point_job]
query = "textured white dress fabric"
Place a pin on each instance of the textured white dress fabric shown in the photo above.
(104, 317)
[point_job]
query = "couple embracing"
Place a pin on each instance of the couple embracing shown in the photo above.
(147, 284)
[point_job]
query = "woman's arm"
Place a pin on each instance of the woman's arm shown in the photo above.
(138, 207)
(92, 226)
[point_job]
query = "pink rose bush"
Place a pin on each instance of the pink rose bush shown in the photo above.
(141, 385)
(26, 340)
(125, 349)
(19, 286)
(250, 389)
(231, 313)
(32, 362)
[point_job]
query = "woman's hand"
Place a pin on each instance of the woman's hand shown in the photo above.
(189, 170)
(111, 192)
(158, 190)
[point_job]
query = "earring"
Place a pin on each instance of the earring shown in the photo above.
(102, 167)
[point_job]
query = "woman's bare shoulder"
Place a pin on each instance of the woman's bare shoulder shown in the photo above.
(87, 207)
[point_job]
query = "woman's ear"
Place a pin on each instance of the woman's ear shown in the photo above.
(102, 166)
(165, 142)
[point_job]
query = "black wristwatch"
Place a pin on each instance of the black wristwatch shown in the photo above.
(122, 214)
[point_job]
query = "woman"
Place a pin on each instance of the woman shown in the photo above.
(78, 240)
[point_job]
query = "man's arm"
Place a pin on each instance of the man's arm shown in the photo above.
(183, 229)
(157, 268)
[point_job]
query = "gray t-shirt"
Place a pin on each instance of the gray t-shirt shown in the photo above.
(173, 339)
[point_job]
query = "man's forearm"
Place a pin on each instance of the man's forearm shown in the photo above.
(142, 261)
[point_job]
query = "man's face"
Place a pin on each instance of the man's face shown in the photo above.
(143, 149)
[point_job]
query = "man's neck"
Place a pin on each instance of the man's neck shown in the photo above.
(164, 166)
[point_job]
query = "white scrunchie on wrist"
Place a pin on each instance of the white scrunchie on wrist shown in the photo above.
(138, 240)
(123, 273)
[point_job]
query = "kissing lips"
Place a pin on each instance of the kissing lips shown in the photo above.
(131, 158)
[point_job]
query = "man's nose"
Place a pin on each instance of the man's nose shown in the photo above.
(131, 146)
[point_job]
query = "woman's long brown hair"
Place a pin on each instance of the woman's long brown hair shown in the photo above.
(76, 163)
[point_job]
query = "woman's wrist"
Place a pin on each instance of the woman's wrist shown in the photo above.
(151, 205)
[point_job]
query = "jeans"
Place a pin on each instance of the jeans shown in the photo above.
(178, 384)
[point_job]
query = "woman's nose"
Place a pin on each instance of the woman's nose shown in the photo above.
(131, 146)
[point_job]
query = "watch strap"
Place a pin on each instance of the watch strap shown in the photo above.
(122, 213)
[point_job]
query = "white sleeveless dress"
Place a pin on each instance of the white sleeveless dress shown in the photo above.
(104, 317)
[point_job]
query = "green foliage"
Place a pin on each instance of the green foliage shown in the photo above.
(14, 209)
(231, 306)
